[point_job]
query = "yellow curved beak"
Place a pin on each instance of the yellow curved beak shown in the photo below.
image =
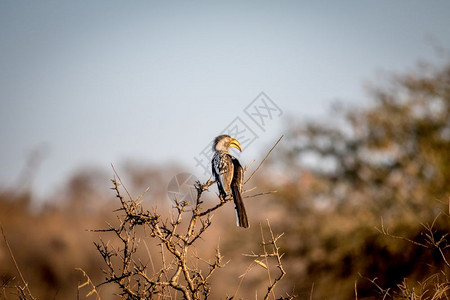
(235, 144)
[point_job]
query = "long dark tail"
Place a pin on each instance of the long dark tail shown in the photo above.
(241, 215)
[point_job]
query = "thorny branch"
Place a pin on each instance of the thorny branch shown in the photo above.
(440, 244)
(262, 259)
(87, 283)
(433, 287)
(133, 277)
(179, 270)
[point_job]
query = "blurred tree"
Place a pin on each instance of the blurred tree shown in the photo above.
(389, 160)
(338, 178)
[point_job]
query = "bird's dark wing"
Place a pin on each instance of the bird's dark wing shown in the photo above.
(223, 169)
(236, 189)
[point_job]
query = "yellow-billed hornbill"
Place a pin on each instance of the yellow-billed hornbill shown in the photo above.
(229, 174)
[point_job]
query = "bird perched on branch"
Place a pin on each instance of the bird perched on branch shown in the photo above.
(229, 174)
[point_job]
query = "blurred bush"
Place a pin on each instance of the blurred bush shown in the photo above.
(48, 245)
(336, 180)
(390, 160)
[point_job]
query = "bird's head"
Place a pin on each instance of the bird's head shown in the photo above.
(224, 142)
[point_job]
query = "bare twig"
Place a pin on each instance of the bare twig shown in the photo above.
(386, 232)
(384, 292)
(25, 284)
(241, 278)
(434, 285)
(267, 155)
(262, 259)
(88, 283)
(260, 194)
(279, 264)
(120, 180)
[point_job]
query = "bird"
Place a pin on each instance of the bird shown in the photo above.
(229, 174)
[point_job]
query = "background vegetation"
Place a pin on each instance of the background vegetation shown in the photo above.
(363, 202)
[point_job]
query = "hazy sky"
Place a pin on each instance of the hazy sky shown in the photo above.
(99, 82)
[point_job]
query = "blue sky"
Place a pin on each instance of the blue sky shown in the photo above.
(100, 82)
